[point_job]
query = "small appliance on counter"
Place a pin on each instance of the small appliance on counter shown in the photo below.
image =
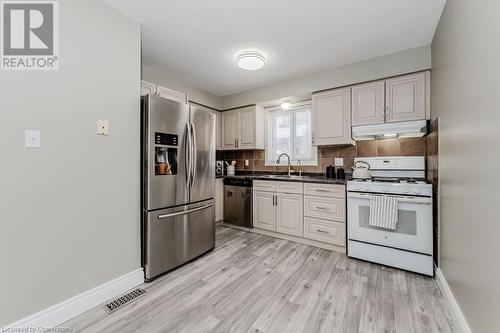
(230, 168)
(219, 168)
(330, 172)
(340, 173)
(361, 170)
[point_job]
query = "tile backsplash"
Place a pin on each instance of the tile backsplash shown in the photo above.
(327, 155)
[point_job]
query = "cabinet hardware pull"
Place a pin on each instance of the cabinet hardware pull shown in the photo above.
(322, 231)
(321, 208)
(320, 190)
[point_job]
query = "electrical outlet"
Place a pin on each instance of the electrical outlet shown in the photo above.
(103, 127)
(339, 162)
(32, 139)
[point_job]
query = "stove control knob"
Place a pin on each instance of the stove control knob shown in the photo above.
(416, 191)
(365, 189)
(357, 188)
(405, 191)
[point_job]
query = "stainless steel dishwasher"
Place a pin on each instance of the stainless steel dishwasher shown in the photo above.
(238, 201)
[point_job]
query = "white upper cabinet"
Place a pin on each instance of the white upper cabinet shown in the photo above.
(229, 130)
(243, 128)
(406, 98)
(171, 94)
(247, 130)
(147, 88)
(403, 98)
(217, 126)
(332, 117)
(368, 103)
(152, 88)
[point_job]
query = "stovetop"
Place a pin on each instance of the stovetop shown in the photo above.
(391, 185)
(397, 180)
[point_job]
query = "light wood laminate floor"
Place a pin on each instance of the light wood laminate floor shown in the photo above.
(257, 283)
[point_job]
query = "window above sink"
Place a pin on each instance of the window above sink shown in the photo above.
(290, 131)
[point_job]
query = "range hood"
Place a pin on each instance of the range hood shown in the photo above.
(407, 129)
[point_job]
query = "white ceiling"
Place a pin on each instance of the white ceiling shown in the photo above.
(195, 41)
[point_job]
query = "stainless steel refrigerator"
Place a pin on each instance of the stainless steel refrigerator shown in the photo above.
(178, 179)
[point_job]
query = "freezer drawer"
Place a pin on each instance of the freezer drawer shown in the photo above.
(176, 235)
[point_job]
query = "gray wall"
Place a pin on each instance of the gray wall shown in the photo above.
(465, 93)
(389, 65)
(69, 212)
(195, 94)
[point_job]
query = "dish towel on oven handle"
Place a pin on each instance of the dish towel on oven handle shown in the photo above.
(383, 212)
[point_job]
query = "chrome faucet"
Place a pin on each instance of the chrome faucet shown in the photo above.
(300, 166)
(278, 161)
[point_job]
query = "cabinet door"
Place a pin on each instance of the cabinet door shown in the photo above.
(247, 128)
(289, 214)
(217, 127)
(332, 117)
(405, 98)
(263, 210)
(219, 199)
(229, 123)
(147, 88)
(171, 94)
(368, 103)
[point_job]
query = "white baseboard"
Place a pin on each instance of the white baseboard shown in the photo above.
(59, 313)
(450, 300)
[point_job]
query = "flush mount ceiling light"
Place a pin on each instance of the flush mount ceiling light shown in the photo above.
(286, 105)
(250, 60)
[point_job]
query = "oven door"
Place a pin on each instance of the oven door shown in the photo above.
(413, 231)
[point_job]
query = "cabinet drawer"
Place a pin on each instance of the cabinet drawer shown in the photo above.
(289, 187)
(325, 208)
(325, 190)
(333, 232)
(264, 185)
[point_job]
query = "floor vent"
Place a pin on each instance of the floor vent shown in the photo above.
(121, 301)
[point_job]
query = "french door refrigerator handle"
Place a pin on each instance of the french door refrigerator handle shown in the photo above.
(164, 216)
(187, 155)
(194, 157)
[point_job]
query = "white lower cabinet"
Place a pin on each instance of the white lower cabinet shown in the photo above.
(289, 214)
(264, 216)
(219, 199)
(288, 208)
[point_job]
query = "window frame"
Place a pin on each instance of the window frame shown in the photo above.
(269, 128)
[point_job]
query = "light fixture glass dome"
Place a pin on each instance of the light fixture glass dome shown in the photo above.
(250, 60)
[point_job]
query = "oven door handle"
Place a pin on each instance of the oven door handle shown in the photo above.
(401, 199)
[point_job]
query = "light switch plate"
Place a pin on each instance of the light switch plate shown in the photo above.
(32, 139)
(103, 127)
(339, 162)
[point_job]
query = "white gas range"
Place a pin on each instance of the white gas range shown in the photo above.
(410, 244)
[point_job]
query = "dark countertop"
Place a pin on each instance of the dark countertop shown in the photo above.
(307, 178)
